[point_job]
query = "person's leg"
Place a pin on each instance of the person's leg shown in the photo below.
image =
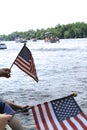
(2, 105)
(15, 124)
(4, 120)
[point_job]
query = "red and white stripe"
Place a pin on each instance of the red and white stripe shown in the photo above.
(27, 67)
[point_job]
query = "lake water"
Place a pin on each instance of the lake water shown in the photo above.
(61, 69)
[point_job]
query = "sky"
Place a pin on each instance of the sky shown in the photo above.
(23, 15)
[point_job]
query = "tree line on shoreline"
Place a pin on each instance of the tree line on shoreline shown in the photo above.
(73, 30)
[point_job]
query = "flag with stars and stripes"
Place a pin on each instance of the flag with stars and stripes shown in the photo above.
(60, 114)
(25, 62)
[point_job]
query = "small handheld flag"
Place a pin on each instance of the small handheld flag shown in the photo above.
(25, 62)
(60, 114)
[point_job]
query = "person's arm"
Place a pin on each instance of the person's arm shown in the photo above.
(5, 72)
(16, 106)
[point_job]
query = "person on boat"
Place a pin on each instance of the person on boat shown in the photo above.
(5, 108)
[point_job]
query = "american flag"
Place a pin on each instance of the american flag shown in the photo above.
(60, 114)
(25, 62)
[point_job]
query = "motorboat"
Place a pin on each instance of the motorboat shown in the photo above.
(49, 37)
(3, 46)
(20, 40)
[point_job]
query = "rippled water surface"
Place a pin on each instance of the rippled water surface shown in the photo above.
(61, 68)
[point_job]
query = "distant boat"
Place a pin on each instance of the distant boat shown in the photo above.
(21, 40)
(3, 46)
(34, 39)
(51, 38)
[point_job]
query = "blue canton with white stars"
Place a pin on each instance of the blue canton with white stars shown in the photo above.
(65, 108)
(25, 54)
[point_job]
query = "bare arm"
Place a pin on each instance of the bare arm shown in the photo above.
(16, 106)
(13, 105)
